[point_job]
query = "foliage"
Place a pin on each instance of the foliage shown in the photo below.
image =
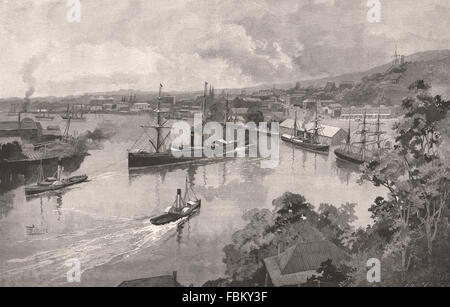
(11, 150)
(416, 176)
(330, 275)
(292, 220)
(254, 115)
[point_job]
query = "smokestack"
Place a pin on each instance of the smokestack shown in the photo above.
(174, 274)
(178, 191)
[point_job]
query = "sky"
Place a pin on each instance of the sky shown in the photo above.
(137, 44)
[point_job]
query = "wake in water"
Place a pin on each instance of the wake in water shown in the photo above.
(97, 247)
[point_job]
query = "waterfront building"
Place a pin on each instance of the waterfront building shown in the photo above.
(329, 135)
(357, 113)
(140, 107)
(333, 109)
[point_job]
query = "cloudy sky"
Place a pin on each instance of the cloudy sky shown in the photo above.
(181, 43)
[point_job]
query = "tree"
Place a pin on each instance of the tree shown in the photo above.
(329, 275)
(292, 220)
(415, 175)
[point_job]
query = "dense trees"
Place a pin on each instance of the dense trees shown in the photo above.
(11, 150)
(292, 220)
(416, 174)
(410, 233)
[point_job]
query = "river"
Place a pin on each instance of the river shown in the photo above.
(104, 223)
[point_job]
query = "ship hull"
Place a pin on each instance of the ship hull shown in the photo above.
(172, 217)
(74, 119)
(349, 157)
(157, 159)
(37, 189)
(308, 146)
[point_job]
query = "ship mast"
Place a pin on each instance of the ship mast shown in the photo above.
(226, 110)
(378, 132)
(158, 120)
(316, 129)
(363, 133)
(295, 126)
(204, 109)
(159, 126)
(204, 104)
(348, 144)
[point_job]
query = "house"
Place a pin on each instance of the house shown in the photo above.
(100, 100)
(346, 85)
(334, 109)
(311, 104)
(168, 100)
(157, 281)
(330, 135)
(357, 113)
(297, 263)
(140, 107)
(330, 87)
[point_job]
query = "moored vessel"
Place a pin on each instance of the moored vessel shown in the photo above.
(161, 152)
(359, 152)
(309, 140)
(53, 183)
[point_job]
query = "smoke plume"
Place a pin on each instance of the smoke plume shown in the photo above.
(29, 69)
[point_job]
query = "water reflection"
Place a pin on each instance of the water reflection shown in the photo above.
(105, 222)
(12, 177)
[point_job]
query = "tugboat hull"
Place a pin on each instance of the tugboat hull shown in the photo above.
(305, 145)
(172, 216)
(37, 189)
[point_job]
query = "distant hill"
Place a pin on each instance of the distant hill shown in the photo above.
(386, 85)
(373, 86)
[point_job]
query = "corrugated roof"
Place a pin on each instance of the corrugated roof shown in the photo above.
(327, 131)
(297, 263)
(309, 256)
(26, 123)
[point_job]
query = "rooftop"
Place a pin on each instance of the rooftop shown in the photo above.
(26, 123)
(289, 267)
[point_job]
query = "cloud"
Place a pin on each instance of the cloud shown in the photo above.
(231, 43)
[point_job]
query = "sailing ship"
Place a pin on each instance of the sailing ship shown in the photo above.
(162, 155)
(361, 152)
(182, 207)
(53, 183)
(74, 116)
(309, 140)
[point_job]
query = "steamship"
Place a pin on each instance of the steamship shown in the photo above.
(161, 155)
(310, 140)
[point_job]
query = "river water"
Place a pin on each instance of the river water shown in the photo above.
(104, 223)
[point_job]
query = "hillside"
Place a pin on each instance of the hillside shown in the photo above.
(385, 85)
